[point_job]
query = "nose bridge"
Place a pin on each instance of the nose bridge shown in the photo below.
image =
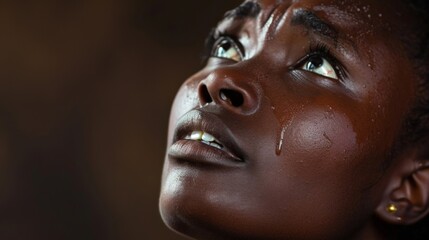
(233, 89)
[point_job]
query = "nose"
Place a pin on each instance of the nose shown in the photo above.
(232, 92)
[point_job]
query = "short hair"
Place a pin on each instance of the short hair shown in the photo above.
(416, 126)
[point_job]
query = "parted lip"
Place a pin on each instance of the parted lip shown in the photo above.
(199, 152)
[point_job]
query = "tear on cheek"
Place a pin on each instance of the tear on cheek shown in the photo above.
(321, 136)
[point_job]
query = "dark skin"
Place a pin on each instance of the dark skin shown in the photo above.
(304, 135)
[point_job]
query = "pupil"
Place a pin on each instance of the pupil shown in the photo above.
(225, 45)
(315, 62)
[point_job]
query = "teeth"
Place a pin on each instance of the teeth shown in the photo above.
(205, 138)
(196, 135)
(216, 145)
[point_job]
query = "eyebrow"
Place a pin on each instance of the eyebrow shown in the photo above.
(246, 10)
(314, 23)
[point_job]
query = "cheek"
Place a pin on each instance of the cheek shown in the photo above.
(322, 148)
(322, 139)
(186, 99)
(321, 154)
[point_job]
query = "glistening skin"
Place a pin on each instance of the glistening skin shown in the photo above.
(288, 131)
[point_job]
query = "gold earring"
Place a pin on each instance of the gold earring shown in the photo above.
(391, 208)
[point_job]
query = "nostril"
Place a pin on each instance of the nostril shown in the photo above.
(204, 94)
(235, 98)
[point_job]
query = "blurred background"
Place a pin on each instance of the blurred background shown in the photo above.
(85, 93)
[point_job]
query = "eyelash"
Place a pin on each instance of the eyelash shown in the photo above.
(322, 50)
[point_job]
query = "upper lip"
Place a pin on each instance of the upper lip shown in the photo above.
(197, 120)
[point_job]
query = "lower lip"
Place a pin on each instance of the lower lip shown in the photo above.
(202, 154)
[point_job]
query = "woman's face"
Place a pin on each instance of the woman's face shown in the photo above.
(287, 130)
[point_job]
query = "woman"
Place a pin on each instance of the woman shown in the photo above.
(309, 121)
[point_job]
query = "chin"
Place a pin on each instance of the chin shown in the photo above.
(186, 216)
(178, 218)
(197, 218)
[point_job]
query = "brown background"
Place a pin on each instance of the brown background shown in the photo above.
(85, 91)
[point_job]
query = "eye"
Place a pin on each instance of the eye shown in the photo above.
(320, 65)
(227, 48)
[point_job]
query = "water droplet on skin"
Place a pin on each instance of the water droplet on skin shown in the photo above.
(280, 138)
(279, 146)
(380, 15)
(329, 113)
(366, 8)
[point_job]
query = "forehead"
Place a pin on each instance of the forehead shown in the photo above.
(345, 15)
(363, 23)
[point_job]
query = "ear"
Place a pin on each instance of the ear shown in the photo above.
(406, 197)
